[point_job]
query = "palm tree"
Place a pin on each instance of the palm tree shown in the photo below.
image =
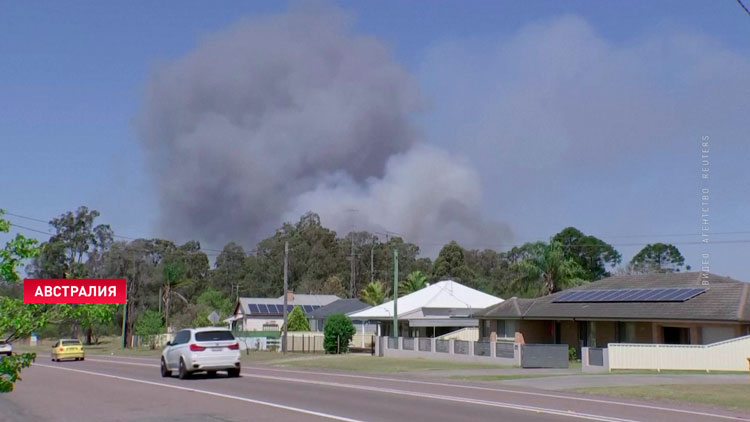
(414, 281)
(548, 267)
(374, 293)
(173, 277)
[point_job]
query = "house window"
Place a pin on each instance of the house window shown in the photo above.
(625, 332)
(506, 328)
(676, 335)
(485, 329)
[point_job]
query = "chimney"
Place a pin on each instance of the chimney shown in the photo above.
(289, 296)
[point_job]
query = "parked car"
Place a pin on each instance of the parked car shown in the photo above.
(6, 348)
(67, 349)
(208, 349)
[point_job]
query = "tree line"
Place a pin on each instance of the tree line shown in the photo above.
(178, 284)
(175, 285)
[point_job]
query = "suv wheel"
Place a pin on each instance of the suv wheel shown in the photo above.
(233, 372)
(183, 374)
(164, 371)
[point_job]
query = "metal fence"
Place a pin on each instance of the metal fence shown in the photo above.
(461, 347)
(596, 356)
(544, 356)
(425, 345)
(408, 343)
(442, 346)
(482, 348)
(504, 349)
(393, 342)
(727, 355)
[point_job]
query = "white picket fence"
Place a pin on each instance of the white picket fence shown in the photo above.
(728, 355)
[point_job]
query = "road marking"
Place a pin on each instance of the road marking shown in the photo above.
(533, 409)
(126, 357)
(503, 390)
(210, 393)
(440, 384)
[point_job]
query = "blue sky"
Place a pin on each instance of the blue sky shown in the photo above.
(74, 77)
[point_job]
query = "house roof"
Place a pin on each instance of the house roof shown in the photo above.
(341, 306)
(299, 299)
(724, 300)
(446, 294)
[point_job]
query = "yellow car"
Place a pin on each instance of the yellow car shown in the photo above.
(67, 349)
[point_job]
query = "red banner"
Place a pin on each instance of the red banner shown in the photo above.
(91, 290)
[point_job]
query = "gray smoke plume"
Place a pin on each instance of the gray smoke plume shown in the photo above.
(289, 113)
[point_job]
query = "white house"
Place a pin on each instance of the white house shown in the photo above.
(264, 314)
(430, 312)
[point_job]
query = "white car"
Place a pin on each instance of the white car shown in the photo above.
(208, 349)
(6, 348)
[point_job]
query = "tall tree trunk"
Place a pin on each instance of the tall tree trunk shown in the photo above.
(89, 335)
(166, 306)
(129, 327)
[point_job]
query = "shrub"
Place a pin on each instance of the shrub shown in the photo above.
(149, 324)
(297, 320)
(338, 331)
(572, 354)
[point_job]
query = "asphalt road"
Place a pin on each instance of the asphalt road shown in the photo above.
(131, 389)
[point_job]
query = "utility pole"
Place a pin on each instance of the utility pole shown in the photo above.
(125, 322)
(286, 287)
(351, 277)
(372, 261)
(395, 293)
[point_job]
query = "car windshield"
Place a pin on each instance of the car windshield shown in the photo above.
(3, 342)
(71, 343)
(213, 336)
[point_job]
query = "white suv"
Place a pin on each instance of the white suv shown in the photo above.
(207, 349)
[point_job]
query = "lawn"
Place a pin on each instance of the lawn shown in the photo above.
(728, 395)
(262, 356)
(382, 364)
(503, 377)
(106, 346)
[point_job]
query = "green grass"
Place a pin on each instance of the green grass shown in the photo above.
(728, 395)
(503, 377)
(262, 356)
(382, 364)
(106, 346)
(665, 372)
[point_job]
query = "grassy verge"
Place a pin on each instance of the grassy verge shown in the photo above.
(667, 372)
(373, 364)
(108, 346)
(727, 395)
(261, 357)
(499, 377)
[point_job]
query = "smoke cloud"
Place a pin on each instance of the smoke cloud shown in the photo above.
(292, 113)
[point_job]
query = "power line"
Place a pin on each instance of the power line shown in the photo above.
(743, 6)
(52, 234)
(489, 245)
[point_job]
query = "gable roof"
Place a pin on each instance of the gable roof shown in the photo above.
(341, 306)
(446, 294)
(725, 300)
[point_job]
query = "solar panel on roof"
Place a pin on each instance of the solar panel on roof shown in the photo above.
(307, 308)
(630, 295)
